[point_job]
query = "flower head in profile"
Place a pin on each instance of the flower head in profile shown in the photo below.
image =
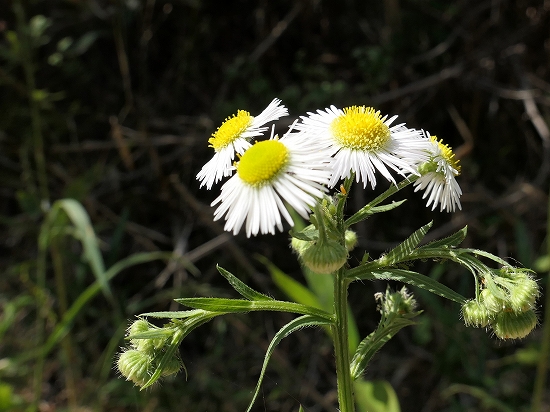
(438, 176)
(290, 169)
(233, 136)
(363, 141)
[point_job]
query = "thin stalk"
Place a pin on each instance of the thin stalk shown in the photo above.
(36, 120)
(542, 366)
(341, 346)
(66, 342)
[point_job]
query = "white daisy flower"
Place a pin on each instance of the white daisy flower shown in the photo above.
(363, 141)
(438, 177)
(232, 137)
(290, 169)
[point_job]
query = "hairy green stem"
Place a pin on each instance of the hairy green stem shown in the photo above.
(341, 346)
(542, 366)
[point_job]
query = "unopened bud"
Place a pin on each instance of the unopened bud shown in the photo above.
(475, 314)
(135, 366)
(350, 239)
(325, 257)
(173, 366)
(494, 304)
(512, 325)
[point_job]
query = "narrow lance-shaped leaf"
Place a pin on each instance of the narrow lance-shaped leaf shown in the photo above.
(292, 326)
(373, 343)
(411, 278)
(242, 288)
(368, 211)
(404, 249)
(451, 241)
(222, 305)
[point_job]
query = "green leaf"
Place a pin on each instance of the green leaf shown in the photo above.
(451, 241)
(223, 305)
(411, 278)
(368, 211)
(292, 326)
(375, 396)
(180, 314)
(374, 342)
(83, 232)
(404, 249)
(242, 288)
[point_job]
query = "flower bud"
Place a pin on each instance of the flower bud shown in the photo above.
(325, 257)
(146, 345)
(350, 239)
(299, 245)
(523, 295)
(475, 314)
(512, 325)
(135, 366)
(173, 366)
(494, 304)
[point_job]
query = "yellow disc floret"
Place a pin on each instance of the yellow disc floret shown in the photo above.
(230, 130)
(447, 154)
(263, 162)
(361, 128)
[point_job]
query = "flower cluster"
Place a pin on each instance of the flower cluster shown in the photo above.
(506, 303)
(146, 354)
(317, 152)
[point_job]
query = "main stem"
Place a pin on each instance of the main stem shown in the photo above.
(341, 346)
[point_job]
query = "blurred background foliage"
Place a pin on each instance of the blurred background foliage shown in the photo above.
(111, 103)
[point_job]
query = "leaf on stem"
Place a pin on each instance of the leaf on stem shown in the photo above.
(404, 249)
(292, 326)
(368, 211)
(243, 289)
(223, 305)
(451, 241)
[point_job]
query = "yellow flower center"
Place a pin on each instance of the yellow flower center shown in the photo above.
(263, 162)
(230, 130)
(361, 128)
(447, 154)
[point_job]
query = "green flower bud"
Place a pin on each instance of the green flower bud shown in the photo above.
(523, 295)
(350, 239)
(299, 245)
(325, 257)
(173, 366)
(475, 314)
(512, 325)
(494, 304)
(401, 302)
(146, 345)
(140, 326)
(135, 366)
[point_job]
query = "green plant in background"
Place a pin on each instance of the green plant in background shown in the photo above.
(316, 154)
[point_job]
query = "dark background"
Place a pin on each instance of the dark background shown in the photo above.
(124, 96)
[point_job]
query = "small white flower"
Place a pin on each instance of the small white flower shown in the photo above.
(289, 169)
(232, 137)
(363, 141)
(438, 177)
